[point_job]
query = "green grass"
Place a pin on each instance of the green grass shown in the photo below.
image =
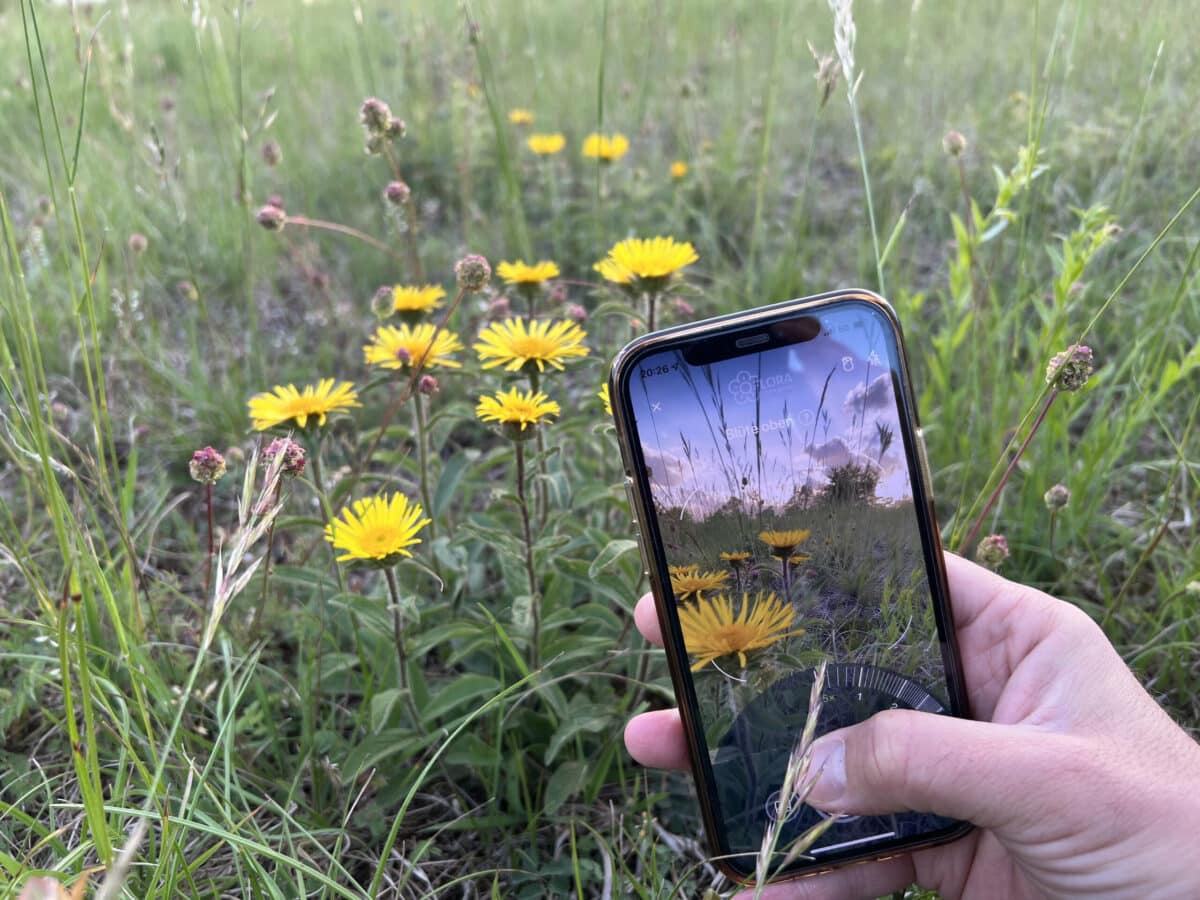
(136, 714)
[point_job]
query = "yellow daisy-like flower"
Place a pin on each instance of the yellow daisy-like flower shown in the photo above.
(798, 558)
(605, 147)
(784, 543)
(653, 259)
(514, 344)
(712, 628)
(377, 529)
(735, 559)
(416, 299)
(520, 116)
(676, 571)
(546, 144)
(517, 408)
(398, 348)
(679, 168)
(521, 273)
(603, 395)
(317, 401)
(692, 585)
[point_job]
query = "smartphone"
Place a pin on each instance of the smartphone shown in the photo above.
(779, 484)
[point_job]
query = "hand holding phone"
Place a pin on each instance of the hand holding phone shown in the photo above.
(776, 467)
(1081, 785)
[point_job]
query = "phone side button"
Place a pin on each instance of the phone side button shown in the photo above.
(637, 535)
(923, 461)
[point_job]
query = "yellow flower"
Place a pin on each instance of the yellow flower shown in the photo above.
(712, 629)
(515, 407)
(605, 147)
(315, 401)
(377, 529)
(679, 168)
(398, 348)
(692, 585)
(798, 559)
(520, 116)
(676, 571)
(546, 144)
(520, 273)
(653, 259)
(783, 543)
(416, 299)
(514, 344)
(735, 559)
(603, 395)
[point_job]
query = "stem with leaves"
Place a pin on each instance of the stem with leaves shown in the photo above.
(527, 531)
(401, 651)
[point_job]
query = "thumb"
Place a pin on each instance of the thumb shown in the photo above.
(903, 760)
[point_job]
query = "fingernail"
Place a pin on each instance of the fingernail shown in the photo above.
(828, 767)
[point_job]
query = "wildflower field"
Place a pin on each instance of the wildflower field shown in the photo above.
(316, 569)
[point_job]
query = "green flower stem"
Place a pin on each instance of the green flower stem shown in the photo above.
(987, 507)
(401, 652)
(543, 502)
(651, 309)
(318, 482)
(421, 428)
(534, 601)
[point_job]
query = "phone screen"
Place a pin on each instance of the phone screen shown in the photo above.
(784, 504)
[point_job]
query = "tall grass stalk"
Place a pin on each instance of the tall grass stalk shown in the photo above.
(844, 35)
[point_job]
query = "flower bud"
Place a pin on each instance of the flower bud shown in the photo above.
(577, 313)
(292, 453)
(992, 551)
(1070, 369)
(375, 115)
(683, 309)
(207, 466)
(138, 243)
(271, 217)
(396, 193)
(954, 143)
(272, 153)
(473, 273)
(1057, 497)
(500, 307)
(383, 303)
(428, 385)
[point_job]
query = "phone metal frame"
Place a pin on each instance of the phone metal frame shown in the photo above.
(650, 544)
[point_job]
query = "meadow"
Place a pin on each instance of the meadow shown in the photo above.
(198, 698)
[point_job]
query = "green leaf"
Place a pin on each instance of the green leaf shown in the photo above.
(588, 719)
(452, 475)
(612, 551)
(463, 689)
(382, 705)
(567, 780)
